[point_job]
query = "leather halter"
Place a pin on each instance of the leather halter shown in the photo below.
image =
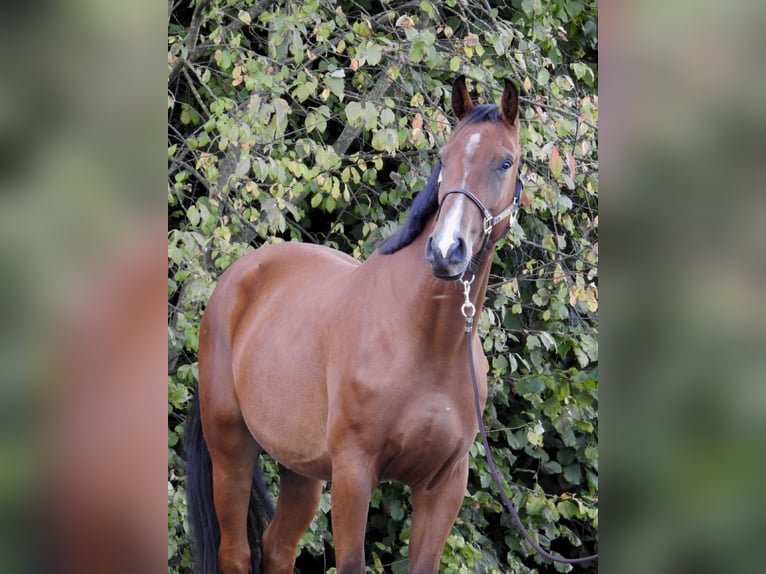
(489, 220)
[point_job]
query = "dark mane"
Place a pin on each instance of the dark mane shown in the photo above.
(427, 200)
(423, 206)
(482, 113)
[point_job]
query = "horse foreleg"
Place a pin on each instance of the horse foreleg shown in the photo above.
(434, 513)
(296, 506)
(352, 487)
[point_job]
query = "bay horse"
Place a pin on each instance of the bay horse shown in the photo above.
(354, 373)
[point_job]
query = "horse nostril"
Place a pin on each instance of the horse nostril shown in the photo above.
(457, 251)
(430, 249)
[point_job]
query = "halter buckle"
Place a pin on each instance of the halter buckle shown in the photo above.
(489, 223)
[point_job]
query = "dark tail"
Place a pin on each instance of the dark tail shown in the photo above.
(199, 499)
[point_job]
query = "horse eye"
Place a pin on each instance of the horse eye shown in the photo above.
(506, 165)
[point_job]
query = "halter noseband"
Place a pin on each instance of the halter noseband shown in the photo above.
(489, 220)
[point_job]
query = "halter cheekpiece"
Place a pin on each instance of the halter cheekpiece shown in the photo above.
(489, 220)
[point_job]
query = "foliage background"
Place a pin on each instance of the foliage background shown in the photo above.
(318, 122)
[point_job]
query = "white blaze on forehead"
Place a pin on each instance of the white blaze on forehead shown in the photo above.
(470, 148)
(450, 228)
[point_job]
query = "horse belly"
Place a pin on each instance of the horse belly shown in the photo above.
(279, 357)
(285, 410)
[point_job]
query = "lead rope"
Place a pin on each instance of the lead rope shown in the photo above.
(468, 310)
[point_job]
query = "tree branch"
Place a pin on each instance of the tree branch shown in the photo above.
(191, 39)
(193, 50)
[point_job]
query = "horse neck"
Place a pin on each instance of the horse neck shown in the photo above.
(430, 307)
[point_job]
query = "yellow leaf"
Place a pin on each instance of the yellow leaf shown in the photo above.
(417, 100)
(558, 274)
(244, 17)
(527, 84)
(555, 162)
(571, 164)
(417, 122)
(442, 123)
(405, 22)
(574, 292)
(417, 126)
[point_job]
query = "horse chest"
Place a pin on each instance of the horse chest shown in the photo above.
(425, 442)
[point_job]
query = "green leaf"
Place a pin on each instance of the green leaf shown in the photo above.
(535, 434)
(386, 117)
(305, 89)
(193, 215)
(225, 61)
(370, 116)
(243, 167)
(500, 363)
(551, 467)
(498, 44)
(530, 385)
(418, 47)
(336, 86)
(583, 72)
(385, 140)
(371, 54)
(535, 504)
(568, 509)
(533, 341)
(526, 6)
(573, 473)
(353, 113)
(396, 510)
(189, 116)
(281, 111)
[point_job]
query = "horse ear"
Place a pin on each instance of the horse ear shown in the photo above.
(461, 101)
(509, 103)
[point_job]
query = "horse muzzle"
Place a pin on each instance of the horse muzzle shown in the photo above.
(448, 261)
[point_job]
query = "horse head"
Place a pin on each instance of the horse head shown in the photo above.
(477, 185)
